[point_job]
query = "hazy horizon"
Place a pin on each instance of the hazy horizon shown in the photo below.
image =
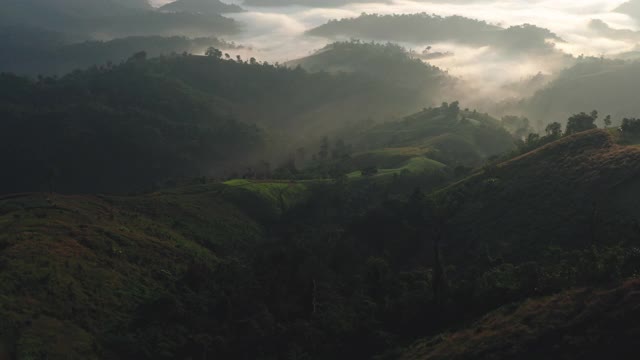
(276, 34)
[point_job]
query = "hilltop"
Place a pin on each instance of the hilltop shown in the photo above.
(33, 52)
(201, 6)
(389, 63)
(591, 83)
(428, 29)
(446, 133)
(108, 19)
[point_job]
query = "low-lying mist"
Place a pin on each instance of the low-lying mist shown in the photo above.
(277, 34)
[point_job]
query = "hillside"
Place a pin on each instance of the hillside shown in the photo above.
(428, 29)
(314, 3)
(324, 269)
(23, 9)
(201, 6)
(577, 324)
(447, 134)
(587, 179)
(86, 132)
(386, 62)
(108, 19)
(86, 265)
(592, 83)
(203, 116)
(425, 150)
(631, 8)
(35, 52)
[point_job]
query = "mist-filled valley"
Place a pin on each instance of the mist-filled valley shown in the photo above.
(319, 179)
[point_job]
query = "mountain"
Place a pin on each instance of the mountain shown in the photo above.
(107, 19)
(208, 104)
(631, 8)
(85, 132)
(427, 29)
(450, 134)
(135, 4)
(389, 63)
(33, 52)
(50, 12)
(201, 6)
(594, 83)
(314, 3)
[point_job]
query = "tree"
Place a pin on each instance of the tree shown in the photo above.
(518, 126)
(532, 139)
(607, 121)
(139, 56)
(630, 127)
(213, 52)
(340, 150)
(554, 129)
(324, 149)
(581, 122)
(453, 109)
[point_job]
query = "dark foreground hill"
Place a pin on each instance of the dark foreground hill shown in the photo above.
(585, 323)
(586, 179)
(328, 269)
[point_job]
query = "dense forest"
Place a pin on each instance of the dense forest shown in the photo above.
(189, 115)
(180, 184)
(425, 28)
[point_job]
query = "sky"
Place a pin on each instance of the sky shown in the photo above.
(276, 34)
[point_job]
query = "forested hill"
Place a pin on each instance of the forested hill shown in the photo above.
(197, 119)
(33, 52)
(296, 101)
(313, 3)
(388, 62)
(597, 83)
(107, 19)
(118, 128)
(201, 6)
(448, 134)
(426, 29)
(328, 269)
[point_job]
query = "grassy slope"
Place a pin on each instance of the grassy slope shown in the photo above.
(587, 179)
(577, 324)
(452, 138)
(93, 260)
(413, 165)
